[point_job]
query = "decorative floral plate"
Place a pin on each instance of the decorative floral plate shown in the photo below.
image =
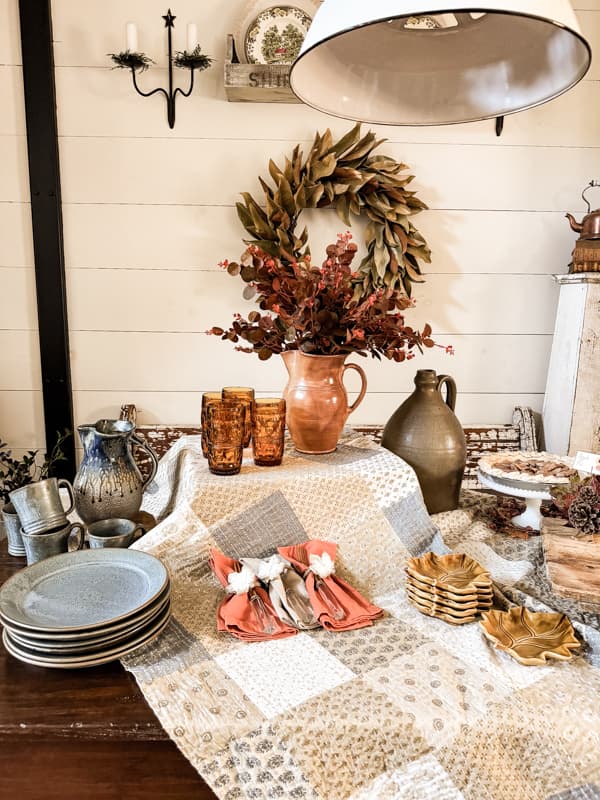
(276, 35)
(455, 572)
(530, 637)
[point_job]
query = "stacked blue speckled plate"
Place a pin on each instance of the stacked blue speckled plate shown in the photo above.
(85, 608)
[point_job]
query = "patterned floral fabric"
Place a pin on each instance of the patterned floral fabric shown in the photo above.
(408, 709)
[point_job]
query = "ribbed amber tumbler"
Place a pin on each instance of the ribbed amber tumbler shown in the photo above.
(207, 398)
(245, 395)
(268, 430)
(225, 427)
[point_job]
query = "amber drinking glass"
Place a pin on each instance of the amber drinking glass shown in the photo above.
(268, 429)
(245, 395)
(225, 428)
(207, 398)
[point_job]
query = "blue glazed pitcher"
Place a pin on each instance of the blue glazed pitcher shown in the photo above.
(108, 483)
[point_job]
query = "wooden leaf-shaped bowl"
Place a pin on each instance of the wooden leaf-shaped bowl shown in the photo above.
(445, 615)
(440, 600)
(441, 607)
(454, 572)
(481, 596)
(530, 637)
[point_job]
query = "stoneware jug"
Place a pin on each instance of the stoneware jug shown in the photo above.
(425, 432)
(108, 483)
(316, 399)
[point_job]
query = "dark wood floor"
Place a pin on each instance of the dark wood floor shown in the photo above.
(83, 734)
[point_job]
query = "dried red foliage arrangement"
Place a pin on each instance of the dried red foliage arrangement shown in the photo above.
(320, 310)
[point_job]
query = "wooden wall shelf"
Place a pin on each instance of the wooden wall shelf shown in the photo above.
(256, 83)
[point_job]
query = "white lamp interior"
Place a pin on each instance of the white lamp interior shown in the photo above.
(429, 69)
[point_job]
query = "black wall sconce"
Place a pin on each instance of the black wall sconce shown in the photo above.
(191, 59)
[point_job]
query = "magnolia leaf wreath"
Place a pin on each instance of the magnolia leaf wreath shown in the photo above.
(347, 176)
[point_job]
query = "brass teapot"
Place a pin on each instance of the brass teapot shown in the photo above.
(586, 255)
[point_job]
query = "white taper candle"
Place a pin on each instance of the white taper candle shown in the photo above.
(132, 41)
(192, 36)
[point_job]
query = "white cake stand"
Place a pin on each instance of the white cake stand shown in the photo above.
(532, 493)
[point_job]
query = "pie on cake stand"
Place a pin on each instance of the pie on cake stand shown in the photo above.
(528, 476)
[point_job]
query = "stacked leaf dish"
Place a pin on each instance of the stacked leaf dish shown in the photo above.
(454, 587)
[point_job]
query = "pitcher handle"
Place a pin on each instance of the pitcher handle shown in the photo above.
(450, 390)
(153, 457)
(363, 387)
(69, 488)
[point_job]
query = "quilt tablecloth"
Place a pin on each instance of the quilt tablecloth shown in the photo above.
(411, 708)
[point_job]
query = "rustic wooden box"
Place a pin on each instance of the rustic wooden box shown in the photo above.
(572, 562)
(256, 83)
(481, 439)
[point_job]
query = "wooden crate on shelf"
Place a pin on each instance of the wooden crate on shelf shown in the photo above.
(572, 561)
(485, 439)
(256, 83)
(481, 439)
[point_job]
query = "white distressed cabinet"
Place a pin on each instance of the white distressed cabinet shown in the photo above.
(572, 400)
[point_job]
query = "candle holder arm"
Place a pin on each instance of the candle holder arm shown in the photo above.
(194, 60)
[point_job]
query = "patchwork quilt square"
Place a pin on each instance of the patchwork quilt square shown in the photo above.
(344, 738)
(260, 529)
(423, 779)
(283, 674)
(257, 766)
(201, 708)
(588, 791)
(509, 755)
(413, 526)
(437, 691)
(371, 648)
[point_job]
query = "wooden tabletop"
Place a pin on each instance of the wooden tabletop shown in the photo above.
(83, 734)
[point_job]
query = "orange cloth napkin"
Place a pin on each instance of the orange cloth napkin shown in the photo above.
(337, 606)
(246, 612)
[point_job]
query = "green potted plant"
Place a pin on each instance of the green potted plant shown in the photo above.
(18, 472)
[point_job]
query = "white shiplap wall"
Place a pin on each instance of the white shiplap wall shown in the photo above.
(149, 212)
(21, 414)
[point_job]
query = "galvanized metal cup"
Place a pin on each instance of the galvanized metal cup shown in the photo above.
(40, 507)
(12, 526)
(114, 532)
(39, 546)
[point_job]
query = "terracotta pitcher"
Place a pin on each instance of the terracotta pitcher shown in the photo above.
(425, 432)
(317, 403)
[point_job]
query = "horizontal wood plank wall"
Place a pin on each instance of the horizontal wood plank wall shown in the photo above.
(21, 407)
(149, 212)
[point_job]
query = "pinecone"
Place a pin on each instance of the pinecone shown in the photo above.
(587, 494)
(585, 516)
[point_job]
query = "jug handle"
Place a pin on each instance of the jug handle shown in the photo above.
(363, 387)
(137, 440)
(450, 390)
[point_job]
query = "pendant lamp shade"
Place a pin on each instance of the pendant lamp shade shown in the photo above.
(422, 62)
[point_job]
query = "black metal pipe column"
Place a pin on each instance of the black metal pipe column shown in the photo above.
(46, 215)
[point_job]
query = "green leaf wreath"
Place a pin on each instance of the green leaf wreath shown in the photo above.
(347, 176)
